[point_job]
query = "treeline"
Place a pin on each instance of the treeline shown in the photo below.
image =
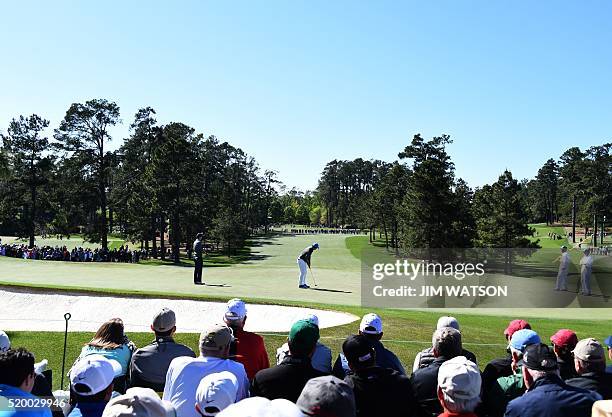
(418, 202)
(164, 180)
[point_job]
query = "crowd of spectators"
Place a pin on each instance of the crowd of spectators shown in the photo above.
(80, 254)
(232, 377)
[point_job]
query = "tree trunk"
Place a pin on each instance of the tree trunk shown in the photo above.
(32, 214)
(154, 236)
(162, 245)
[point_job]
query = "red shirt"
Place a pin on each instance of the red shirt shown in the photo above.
(251, 352)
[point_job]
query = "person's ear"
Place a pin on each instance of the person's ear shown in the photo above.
(527, 378)
(173, 330)
(441, 398)
(109, 392)
(198, 409)
(152, 329)
(244, 321)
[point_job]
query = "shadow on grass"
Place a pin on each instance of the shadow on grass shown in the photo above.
(330, 290)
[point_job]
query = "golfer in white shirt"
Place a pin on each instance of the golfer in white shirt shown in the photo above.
(185, 373)
(564, 262)
(586, 268)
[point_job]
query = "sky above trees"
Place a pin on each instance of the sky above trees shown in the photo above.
(297, 84)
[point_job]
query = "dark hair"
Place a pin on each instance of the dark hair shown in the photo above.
(447, 342)
(15, 366)
(167, 333)
(98, 397)
(109, 336)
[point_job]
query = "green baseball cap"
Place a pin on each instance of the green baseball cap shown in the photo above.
(303, 336)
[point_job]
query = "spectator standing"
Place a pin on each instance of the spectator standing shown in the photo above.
(425, 357)
(564, 341)
(371, 327)
(247, 348)
(322, 356)
(289, 378)
(91, 385)
(459, 384)
(590, 362)
(149, 364)
(185, 373)
(378, 391)
(327, 396)
(16, 382)
(446, 345)
(547, 395)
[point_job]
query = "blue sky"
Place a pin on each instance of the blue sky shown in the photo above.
(299, 83)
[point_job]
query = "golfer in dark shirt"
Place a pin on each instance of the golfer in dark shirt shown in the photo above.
(303, 262)
(198, 249)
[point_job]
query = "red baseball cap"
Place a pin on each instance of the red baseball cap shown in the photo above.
(514, 326)
(564, 338)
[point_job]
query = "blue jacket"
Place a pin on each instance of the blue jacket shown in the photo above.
(551, 397)
(10, 394)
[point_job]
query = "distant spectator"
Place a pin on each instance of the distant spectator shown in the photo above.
(371, 327)
(327, 396)
(446, 345)
(459, 384)
(185, 373)
(289, 378)
(215, 393)
(590, 362)
(502, 366)
(425, 357)
(247, 348)
(507, 388)
(322, 356)
(16, 381)
(563, 342)
(378, 391)
(608, 343)
(5, 342)
(602, 408)
(262, 407)
(547, 395)
(111, 342)
(139, 402)
(150, 363)
(91, 385)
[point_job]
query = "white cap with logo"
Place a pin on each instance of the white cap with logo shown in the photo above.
(262, 407)
(311, 318)
(459, 378)
(216, 392)
(139, 402)
(371, 324)
(93, 374)
(448, 321)
(5, 342)
(235, 309)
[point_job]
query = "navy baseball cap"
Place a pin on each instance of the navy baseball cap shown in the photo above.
(608, 342)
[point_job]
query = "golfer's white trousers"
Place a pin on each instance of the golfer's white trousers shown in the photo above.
(303, 270)
(585, 273)
(562, 279)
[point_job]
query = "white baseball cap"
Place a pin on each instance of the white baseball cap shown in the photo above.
(93, 374)
(139, 402)
(371, 324)
(459, 378)
(235, 309)
(261, 407)
(448, 321)
(5, 342)
(216, 392)
(311, 318)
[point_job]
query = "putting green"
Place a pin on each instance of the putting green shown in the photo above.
(270, 274)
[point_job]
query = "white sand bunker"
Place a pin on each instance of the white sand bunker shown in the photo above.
(24, 309)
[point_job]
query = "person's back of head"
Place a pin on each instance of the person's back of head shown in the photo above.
(164, 323)
(371, 327)
(303, 338)
(564, 341)
(91, 378)
(327, 396)
(459, 384)
(446, 342)
(139, 402)
(215, 341)
(359, 352)
(539, 361)
(17, 369)
(262, 407)
(235, 314)
(589, 357)
(110, 335)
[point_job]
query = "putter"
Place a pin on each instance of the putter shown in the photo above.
(67, 317)
(313, 277)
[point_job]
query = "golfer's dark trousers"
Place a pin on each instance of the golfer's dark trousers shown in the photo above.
(197, 271)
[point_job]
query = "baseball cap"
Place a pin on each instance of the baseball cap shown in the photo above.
(327, 396)
(315, 245)
(447, 321)
(358, 349)
(564, 338)
(216, 392)
(523, 338)
(589, 350)
(5, 342)
(540, 357)
(608, 342)
(138, 402)
(261, 407)
(311, 318)
(164, 320)
(216, 337)
(303, 336)
(93, 374)
(235, 309)
(371, 323)
(515, 325)
(459, 378)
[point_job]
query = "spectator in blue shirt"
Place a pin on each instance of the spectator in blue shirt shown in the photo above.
(91, 385)
(16, 381)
